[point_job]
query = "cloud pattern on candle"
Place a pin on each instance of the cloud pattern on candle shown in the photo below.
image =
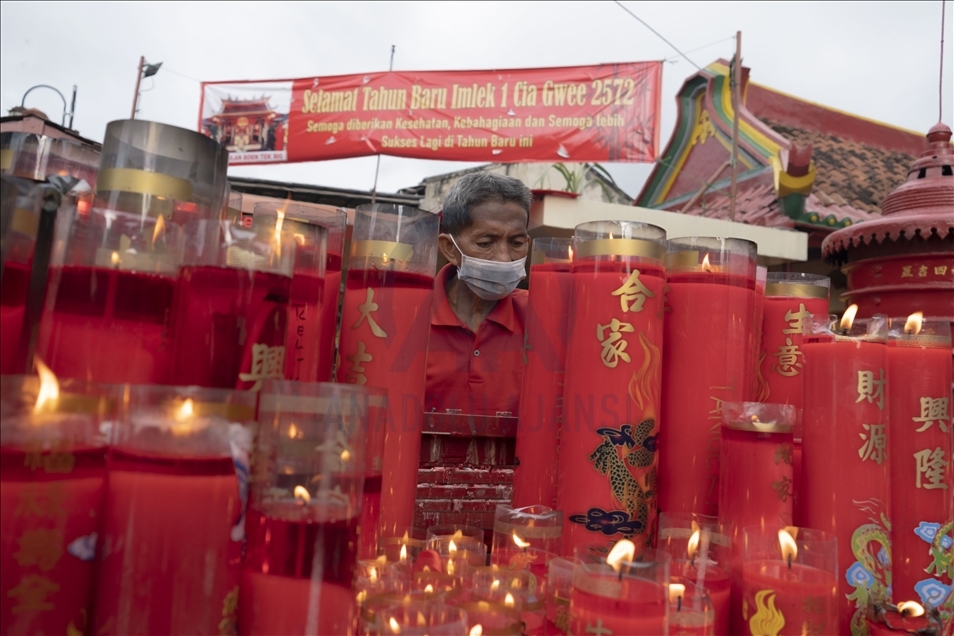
(927, 531)
(932, 592)
(608, 522)
(859, 576)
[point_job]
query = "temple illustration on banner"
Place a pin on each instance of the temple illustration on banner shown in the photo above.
(248, 126)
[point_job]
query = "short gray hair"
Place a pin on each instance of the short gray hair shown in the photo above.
(480, 187)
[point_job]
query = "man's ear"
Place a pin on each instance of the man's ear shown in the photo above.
(446, 246)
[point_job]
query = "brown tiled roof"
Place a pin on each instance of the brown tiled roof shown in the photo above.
(849, 173)
(758, 205)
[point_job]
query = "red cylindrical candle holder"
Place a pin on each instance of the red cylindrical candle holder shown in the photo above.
(845, 455)
(541, 400)
(527, 538)
(920, 438)
(52, 468)
(608, 460)
(385, 325)
(110, 317)
(172, 534)
(709, 320)
(789, 582)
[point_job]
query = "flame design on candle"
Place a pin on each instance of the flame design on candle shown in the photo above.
(49, 391)
(913, 324)
(767, 620)
(848, 318)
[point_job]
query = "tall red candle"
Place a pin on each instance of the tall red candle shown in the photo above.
(845, 456)
(52, 469)
(541, 400)
(110, 319)
(607, 471)
(173, 528)
(385, 324)
(336, 224)
(920, 436)
(758, 386)
(709, 319)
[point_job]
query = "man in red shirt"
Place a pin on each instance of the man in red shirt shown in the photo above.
(475, 354)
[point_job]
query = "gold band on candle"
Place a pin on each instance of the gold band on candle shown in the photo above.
(686, 258)
(928, 341)
(760, 427)
(538, 257)
(528, 532)
(621, 247)
(143, 182)
(385, 250)
(798, 290)
(686, 533)
(6, 158)
(231, 412)
(25, 222)
(79, 403)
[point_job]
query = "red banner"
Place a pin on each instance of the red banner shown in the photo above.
(608, 112)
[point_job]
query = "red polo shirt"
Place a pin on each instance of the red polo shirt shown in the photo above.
(478, 373)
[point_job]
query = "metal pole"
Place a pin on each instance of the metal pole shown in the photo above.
(142, 61)
(377, 167)
(737, 93)
(73, 107)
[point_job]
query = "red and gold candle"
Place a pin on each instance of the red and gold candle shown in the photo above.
(607, 476)
(845, 455)
(385, 325)
(541, 400)
(789, 582)
(52, 470)
(920, 437)
(690, 609)
(709, 320)
(177, 474)
(110, 317)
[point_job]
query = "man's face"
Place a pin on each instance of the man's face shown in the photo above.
(498, 232)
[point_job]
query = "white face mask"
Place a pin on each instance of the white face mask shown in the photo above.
(490, 280)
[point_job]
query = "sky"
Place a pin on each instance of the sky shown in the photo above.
(876, 60)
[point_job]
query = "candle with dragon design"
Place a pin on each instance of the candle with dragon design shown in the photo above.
(612, 594)
(304, 509)
(709, 322)
(788, 581)
(52, 469)
(845, 454)
(920, 437)
(110, 316)
(541, 401)
(608, 460)
(385, 324)
(174, 526)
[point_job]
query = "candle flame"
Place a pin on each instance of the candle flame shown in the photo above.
(476, 630)
(159, 229)
(279, 222)
(404, 552)
(450, 566)
(361, 596)
(293, 432)
(787, 542)
(676, 592)
(570, 248)
(520, 542)
(394, 625)
(624, 550)
(495, 585)
(910, 609)
(373, 574)
(299, 238)
(706, 267)
(458, 535)
(115, 259)
(49, 388)
(849, 318)
(693, 543)
(421, 621)
(345, 455)
(186, 410)
(452, 547)
(509, 600)
(381, 560)
(301, 493)
(914, 322)
(611, 236)
(428, 589)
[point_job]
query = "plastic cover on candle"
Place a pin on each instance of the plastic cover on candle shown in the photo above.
(37, 157)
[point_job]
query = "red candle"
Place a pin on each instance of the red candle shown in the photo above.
(541, 400)
(173, 528)
(845, 453)
(690, 609)
(20, 206)
(336, 224)
(907, 617)
(559, 586)
(920, 437)
(608, 462)
(526, 538)
(711, 304)
(385, 324)
(617, 596)
(52, 468)
(377, 408)
(789, 588)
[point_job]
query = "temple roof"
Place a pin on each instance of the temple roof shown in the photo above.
(802, 164)
(245, 106)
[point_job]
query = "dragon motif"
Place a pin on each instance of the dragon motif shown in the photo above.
(870, 575)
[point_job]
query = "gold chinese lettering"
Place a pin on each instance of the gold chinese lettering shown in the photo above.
(922, 271)
(32, 593)
(356, 370)
(871, 389)
(933, 410)
(874, 447)
(42, 547)
(267, 362)
(42, 502)
(783, 488)
(929, 469)
(614, 346)
(783, 454)
(940, 270)
(796, 319)
(633, 294)
(367, 308)
(788, 363)
(59, 459)
(906, 272)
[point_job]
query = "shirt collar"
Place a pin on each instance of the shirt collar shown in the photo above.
(443, 315)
